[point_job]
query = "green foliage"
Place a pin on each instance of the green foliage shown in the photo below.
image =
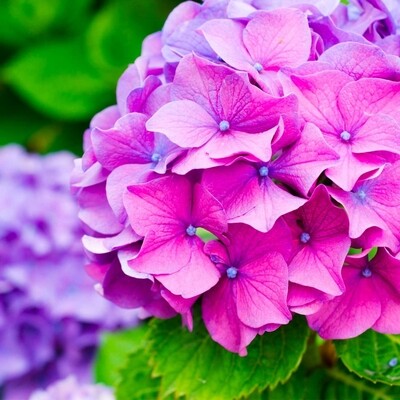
(373, 356)
(113, 352)
(201, 369)
(340, 384)
(165, 361)
(330, 384)
(63, 59)
(176, 363)
(57, 80)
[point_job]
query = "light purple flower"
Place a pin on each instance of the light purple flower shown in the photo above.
(51, 317)
(70, 389)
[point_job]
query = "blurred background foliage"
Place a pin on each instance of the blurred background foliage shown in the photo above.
(60, 61)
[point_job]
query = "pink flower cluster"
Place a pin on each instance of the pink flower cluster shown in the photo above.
(253, 144)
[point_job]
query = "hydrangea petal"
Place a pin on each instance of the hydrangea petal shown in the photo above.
(327, 228)
(222, 322)
(278, 38)
(247, 198)
(184, 122)
(304, 162)
(263, 287)
(360, 61)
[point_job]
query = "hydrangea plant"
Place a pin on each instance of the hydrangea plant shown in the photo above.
(250, 172)
(50, 316)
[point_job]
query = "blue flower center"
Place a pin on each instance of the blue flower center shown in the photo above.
(345, 136)
(258, 67)
(361, 194)
(305, 237)
(156, 157)
(224, 126)
(393, 362)
(263, 171)
(366, 272)
(231, 272)
(191, 230)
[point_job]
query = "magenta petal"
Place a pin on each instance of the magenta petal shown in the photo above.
(351, 166)
(262, 291)
(350, 314)
(388, 291)
(127, 143)
(159, 248)
(248, 198)
(119, 180)
(106, 118)
(304, 162)
(207, 212)
(184, 122)
(96, 212)
(326, 228)
(181, 305)
(379, 133)
(373, 203)
(317, 95)
(224, 145)
(221, 320)
(132, 78)
(137, 99)
(160, 206)
(197, 158)
(195, 277)
(278, 38)
(305, 300)
(125, 291)
(225, 38)
(359, 60)
(361, 99)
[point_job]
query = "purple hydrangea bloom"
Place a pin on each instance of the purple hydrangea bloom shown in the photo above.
(240, 121)
(70, 389)
(51, 318)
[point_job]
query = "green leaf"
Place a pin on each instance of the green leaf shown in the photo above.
(114, 37)
(131, 376)
(192, 365)
(340, 384)
(329, 384)
(113, 353)
(373, 356)
(20, 20)
(57, 79)
(136, 382)
(300, 386)
(205, 235)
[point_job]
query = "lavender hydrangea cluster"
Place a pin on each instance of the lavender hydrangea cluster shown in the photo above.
(70, 389)
(271, 127)
(50, 316)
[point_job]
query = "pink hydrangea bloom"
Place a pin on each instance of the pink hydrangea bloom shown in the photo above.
(371, 301)
(274, 127)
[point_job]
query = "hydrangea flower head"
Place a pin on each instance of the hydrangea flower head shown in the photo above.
(70, 389)
(253, 144)
(50, 315)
